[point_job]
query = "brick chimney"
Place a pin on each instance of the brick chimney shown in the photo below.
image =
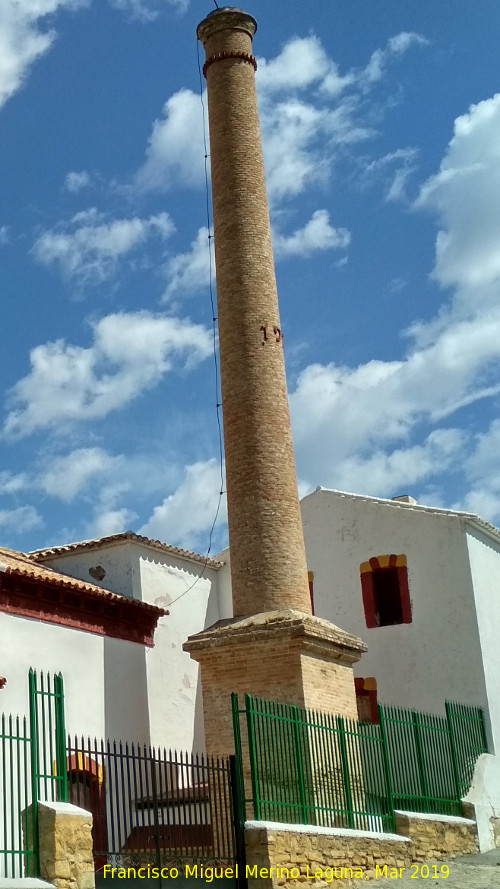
(268, 562)
(273, 647)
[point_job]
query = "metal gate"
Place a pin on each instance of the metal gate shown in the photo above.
(32, 769)
(157, 814)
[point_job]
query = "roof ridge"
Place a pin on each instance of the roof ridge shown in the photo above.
(11, 564)
(41, 554)
(472, 517)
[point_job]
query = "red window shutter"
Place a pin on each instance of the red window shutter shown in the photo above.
(368, 599)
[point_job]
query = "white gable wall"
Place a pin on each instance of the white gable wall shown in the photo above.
(171, 703)
(484, 555)
(438, 655)
(116, 560)
(189, 592)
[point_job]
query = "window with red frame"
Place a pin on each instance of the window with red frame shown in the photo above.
(366, 699)
(386, 595)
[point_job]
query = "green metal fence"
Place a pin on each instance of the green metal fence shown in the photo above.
(432, 757)
(315, 768)
(309, 768)
(32, 768)
(47, 726)
(17, 858)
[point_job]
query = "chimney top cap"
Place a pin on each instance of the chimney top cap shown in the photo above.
(406, 498)
(226, 18)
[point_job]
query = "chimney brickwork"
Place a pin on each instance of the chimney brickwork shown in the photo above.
(273, 647)
(268, 562)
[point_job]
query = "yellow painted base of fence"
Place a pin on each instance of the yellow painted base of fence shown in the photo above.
(288, 856)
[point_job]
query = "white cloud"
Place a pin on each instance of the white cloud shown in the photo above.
(189, 272)
(146, 10)
(393, 169)
(316, 235)
(12, 483)
(112, 521)
(368, 424)
(131, 353)
(186, 516)
(66, 477)
(302, 134)
(340, 412)
(4, 235)
(302, 63)
(21, 41)
(19, 520)
(308, 111)
(388, 472)
(74, 182)
(396, 46)
(482, 470)
(90, 247)
(175, 152)
(301, 139)
(465, 195)
(23, 38)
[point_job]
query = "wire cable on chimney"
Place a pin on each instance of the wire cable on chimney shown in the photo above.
(218, 402)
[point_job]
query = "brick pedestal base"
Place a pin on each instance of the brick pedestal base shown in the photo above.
(283, 655)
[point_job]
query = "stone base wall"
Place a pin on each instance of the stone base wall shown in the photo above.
(66, 855)
(289, 856)
(437, 836)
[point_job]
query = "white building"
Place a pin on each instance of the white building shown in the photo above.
(421, 587)
(111, 615)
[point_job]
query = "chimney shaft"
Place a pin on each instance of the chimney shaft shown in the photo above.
(268, 563)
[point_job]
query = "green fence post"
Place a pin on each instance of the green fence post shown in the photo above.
(299, 752)
(387, 765)
(252, 753)
(345, 770)
(453, 748)
(33, 715)
(238, 751)
(238, 794)
(60, 728)
(420, 757)
(483, 730)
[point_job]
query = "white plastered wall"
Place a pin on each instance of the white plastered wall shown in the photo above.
(484, 555)
(188, 590)
(79, 656)
(171, 698)
(120, 576)
(438, 655)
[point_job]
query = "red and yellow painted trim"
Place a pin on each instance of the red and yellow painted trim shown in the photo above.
(381, 563)
(378, 562)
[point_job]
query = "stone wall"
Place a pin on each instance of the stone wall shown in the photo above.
(66, 858)
(437, 836)
(296, 854)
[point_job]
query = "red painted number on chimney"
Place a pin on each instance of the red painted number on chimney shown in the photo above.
(278, 336)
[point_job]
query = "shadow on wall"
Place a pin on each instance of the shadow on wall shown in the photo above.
(126, 713)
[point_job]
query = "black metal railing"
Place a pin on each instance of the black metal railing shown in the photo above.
(153, 806)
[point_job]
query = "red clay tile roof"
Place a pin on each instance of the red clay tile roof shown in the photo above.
(23, 565)
(42, 555)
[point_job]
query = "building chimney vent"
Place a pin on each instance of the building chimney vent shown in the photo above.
(405, 498)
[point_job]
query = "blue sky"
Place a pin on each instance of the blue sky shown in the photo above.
(381, 133)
